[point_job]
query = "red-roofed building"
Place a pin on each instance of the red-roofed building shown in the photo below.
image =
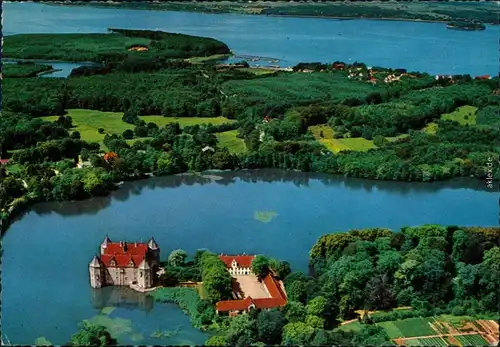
(123, 264)
(238, 264)
(275, 289)
(4, 162)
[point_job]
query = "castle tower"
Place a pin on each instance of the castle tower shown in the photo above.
(96, 273)
(104, 244)
(144, 278)
(155, 250)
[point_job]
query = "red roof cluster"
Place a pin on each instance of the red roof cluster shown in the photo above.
(483, 77)
(110, 155)
(274, 287)
(124, 254)
(4, 161)
(242, 260)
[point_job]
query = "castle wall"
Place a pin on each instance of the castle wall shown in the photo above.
(121, 276)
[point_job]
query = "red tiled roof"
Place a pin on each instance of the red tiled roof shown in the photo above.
(232, 305)
(122, 260)
(134, 251)
(278, 298)
(132, 248)
(4, 161)
(242, 260)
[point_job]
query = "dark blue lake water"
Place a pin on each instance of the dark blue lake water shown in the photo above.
(45, 288)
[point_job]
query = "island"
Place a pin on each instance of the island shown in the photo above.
(467, 26)
(421, 285)
(174, 108)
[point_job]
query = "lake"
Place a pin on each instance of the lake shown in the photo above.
(45, 286)
(45, 282)
(426, 47)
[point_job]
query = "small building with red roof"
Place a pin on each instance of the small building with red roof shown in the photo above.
(124, 264)
(4, 162)
(241, 266)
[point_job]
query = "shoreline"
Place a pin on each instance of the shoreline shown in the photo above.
(118, 5)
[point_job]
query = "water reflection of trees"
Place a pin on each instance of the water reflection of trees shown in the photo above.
(113, 296)
(299, 179)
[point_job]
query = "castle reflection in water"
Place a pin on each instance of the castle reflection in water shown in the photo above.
(123, 297)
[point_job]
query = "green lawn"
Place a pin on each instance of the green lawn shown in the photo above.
(407, 328)
(185, 121)
(211, 58)
(459, 115)
(414, 327)
(229, 140)
(88, 122)
(391, 329)
(463, 115)
(354, 326)
(337, 145)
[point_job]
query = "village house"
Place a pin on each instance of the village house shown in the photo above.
(240, 267)
(125, 264)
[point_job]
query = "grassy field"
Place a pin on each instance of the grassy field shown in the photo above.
(463, 115)
(354, 326)
(337, 145)
(229, 140)
(88, 122)
(211, 58)
(185, 121)
(407, 328)
(459, 115)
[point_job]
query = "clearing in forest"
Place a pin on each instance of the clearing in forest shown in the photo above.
(88, 123)
(228, 139)
(465, 115)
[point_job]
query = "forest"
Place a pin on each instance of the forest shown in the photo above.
(382, 115)
(431, 270)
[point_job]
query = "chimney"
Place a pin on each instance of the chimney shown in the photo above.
(135, 244)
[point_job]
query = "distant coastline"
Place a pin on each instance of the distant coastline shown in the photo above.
(180, 7)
